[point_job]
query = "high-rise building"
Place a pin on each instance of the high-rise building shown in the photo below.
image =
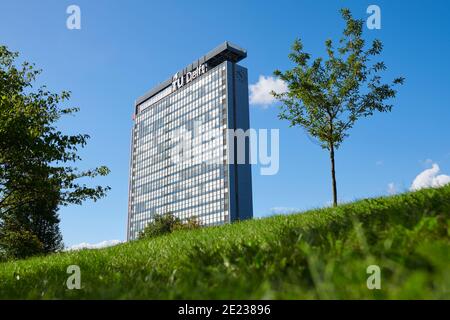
(183, 157)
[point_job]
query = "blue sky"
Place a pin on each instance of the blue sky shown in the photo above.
(126, 47)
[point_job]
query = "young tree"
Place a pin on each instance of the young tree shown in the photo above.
(36, 159)
(327, 96)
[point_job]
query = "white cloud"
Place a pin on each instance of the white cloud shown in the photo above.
(283, 210)
(260, 92)
(392, 189)
(429, 178)
(103, 244)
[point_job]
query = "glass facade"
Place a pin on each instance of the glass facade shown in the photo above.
(192, 181)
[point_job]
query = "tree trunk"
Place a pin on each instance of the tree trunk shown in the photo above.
(333, 175)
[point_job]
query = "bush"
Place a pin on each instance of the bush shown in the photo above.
(191, 223)
(16, 242)
(167, 223)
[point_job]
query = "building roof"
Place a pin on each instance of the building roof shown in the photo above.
(224, 52)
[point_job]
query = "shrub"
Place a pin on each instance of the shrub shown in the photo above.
(167, 223)
(190, 224)
(17, 242)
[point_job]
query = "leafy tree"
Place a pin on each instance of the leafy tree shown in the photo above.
(37, 172)
(327, 96)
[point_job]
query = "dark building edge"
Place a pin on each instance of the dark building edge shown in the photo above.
(240, 175)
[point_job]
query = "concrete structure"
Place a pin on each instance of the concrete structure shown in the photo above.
(183, 157)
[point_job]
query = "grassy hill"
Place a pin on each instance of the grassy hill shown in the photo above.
(317, 254)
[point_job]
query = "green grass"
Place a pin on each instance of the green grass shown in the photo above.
(317, 254)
